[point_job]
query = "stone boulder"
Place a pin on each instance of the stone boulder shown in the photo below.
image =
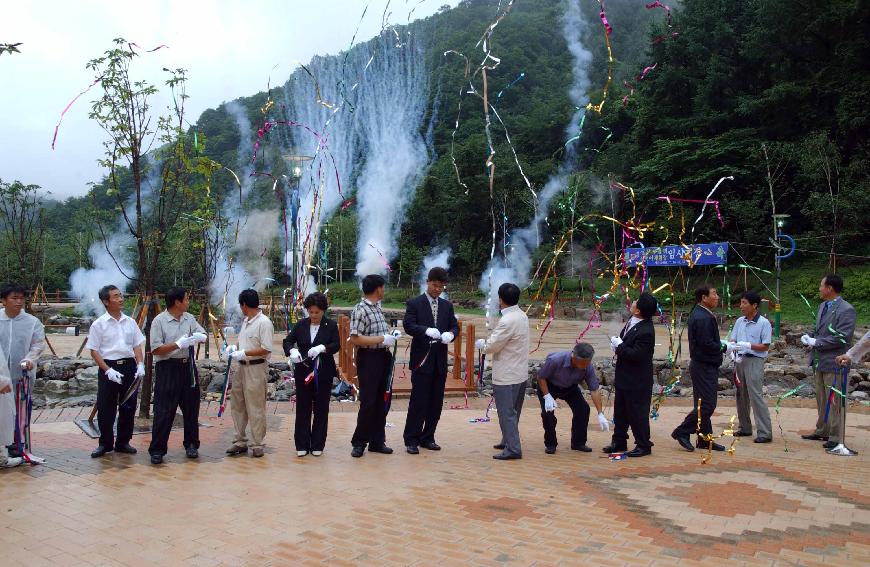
(85, 380)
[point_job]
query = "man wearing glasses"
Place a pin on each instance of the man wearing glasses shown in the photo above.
(430, 321)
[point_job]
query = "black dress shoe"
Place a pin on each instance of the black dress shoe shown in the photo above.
(99, 452)
(829, 444)
(412, 449)
(504, 457)
(762, 440)
(156, 459)
(742, 434)
(549, 450)
(432, 446)
(706, 445)
(582, 448)
(383, 449)
(638, 452)
(191, 452)
(499, 446)
(612, 449)
(814, 437)
(683, 440)
(126, 448)
(357, 451)
(236, 450)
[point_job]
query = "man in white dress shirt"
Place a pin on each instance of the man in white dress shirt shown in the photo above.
(115, 342)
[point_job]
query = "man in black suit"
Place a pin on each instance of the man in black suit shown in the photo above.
(432, 325)
(634, 379)
(705, 358)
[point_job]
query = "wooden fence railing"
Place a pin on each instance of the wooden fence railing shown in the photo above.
(463, 355)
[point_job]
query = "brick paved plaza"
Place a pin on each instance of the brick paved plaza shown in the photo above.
(761, 506)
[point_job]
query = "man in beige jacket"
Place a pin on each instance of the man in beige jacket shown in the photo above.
(509, 345)
(248, 401)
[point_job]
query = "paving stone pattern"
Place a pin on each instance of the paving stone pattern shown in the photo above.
(761, 506)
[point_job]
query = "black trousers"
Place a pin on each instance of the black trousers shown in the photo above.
(579, 410)
(373, 367)
(172, 389)
(311, 436)
(705, 385)
(631, 409)
(109, 396)
(424, 407)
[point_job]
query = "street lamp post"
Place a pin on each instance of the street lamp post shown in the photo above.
(295, 168)
(778, 224)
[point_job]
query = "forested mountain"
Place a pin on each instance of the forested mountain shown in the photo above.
(732, 78)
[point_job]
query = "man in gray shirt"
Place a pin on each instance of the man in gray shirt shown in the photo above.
(752, 336)
(174, 334)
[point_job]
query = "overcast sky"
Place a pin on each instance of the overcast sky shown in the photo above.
(228, 47)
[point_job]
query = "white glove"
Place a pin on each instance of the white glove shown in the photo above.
(185, 342)
(615, 342)
(140, 369)
(447, 337)
(314, 351)
(480, 344)
(549, 403)
(731, 347)
(744, 346)
(602, 421)
(200, 337)
(808, 341)
(390, 339)
(433, 333)
(114, 375)
(295, 356)
(26, 364)
(238, 355)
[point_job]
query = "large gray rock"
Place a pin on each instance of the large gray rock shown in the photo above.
(85, 380)
(56, 386)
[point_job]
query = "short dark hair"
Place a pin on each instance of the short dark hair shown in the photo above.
(509, 293)
(583, 351)
(647, 304)
(371, 283)
(437, 274)
(174, 295)
(10, 288)
(105, 291)
(249, 298)
(752, 297)
(316, 299)
(835, 281)
(703, 291)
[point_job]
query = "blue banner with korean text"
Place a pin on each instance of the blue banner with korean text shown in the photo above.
(713, 254)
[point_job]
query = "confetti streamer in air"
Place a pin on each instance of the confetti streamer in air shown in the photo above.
(706, 201)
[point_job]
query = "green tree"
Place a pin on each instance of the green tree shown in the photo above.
(23, 231)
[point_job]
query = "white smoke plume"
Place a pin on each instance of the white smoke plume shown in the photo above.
(437, 257)
(516, 267)
(85, 283)
(395, 94)
(245, 261)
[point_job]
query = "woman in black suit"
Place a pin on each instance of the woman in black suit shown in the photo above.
(312, 340)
